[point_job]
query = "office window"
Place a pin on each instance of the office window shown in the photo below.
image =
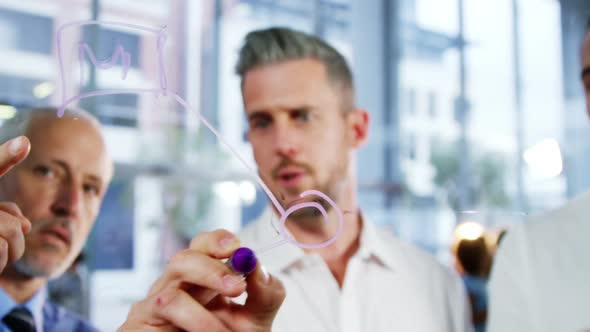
(107, 40)
(19, 91)
(119, 110)
(411, 148)
(25, 32)
(409, 101)
(432, 104)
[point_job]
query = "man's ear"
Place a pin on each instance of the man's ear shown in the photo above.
(358, 122)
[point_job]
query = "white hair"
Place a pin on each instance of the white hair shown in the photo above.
(19, 124)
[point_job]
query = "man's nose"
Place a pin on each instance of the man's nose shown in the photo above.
(68, 200)
(285, 141)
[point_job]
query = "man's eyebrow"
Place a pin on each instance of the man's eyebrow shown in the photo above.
(585, 71)
(61, 164)
(257, 114)
(263, 113)
(94, 178)
(64, 165)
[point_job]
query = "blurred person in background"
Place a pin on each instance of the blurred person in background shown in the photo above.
(472, 262)
(541, 274)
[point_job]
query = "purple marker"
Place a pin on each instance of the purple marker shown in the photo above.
(242, 261)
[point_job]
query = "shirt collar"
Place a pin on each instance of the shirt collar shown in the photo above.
(6, 303)
(34, 305)
(373, 245)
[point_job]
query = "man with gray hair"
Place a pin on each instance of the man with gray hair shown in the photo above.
(305, 128)
(48, 204)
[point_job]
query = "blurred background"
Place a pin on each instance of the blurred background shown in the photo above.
(477, 108)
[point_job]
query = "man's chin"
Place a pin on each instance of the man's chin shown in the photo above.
(40, 268)
(294, 199)
(306, 212)
(291, 196)
(285, 196)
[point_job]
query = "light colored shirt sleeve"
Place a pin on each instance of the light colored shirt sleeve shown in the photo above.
(509, 287)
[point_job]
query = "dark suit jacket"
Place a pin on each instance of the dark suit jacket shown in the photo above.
(58, 319)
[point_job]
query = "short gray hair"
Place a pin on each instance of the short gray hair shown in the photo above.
(278, 44)
(19, 124)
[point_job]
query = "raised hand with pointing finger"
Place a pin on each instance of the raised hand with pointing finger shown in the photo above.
(13, 225)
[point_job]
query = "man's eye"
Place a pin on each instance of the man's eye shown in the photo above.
(260, 123)
(43, 171)
(91, 189)
(302, 116)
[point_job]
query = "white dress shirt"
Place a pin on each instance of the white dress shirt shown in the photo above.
(388, 286)
(541, 275)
